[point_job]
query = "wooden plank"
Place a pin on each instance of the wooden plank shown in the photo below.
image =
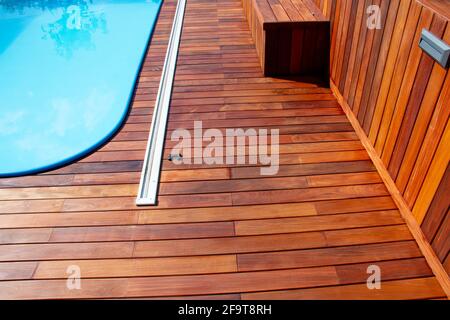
(343, 179)
(364, 36)
(307, 169)
(387, 10)
(391, 270)
(447, 264)
(430, 99)
(9, 236)
(329, 256)
(26, 252)
(354, 47)
(407, 90)
(438, 208)
(67, 192)
(412, 224)
(317, 223)
(326, 193)
(334, 210)
(396, 93)
(17, 270)
(165, 286)
(138, 267)
(41, 220)
(434, 176)
(367, 235)
(441, 243)
(227, 213)
(406, 16)
(230, 245)
(435, 130)
(438, 6)
(355, 205)
(425, 288)
(406, 65)
(350, 29)
(233, 185)
(142, 232)
(397, 11)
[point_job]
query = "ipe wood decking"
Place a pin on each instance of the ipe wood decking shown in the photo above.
(221, 231)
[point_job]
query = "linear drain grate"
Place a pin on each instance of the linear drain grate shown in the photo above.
(148, 187)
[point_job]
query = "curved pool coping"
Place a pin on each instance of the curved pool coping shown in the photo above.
(116, 129)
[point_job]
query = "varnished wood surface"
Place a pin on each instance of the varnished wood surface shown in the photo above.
(400, 97)
(425, 247)
(291, 37)
(220, 231)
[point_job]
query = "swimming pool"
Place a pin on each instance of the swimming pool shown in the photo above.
(67, 74)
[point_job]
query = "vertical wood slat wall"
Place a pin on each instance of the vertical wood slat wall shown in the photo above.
(401, 98)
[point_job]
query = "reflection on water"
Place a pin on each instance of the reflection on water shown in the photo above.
(67, 71)
(20, 5)
(74, 25)
(74, 29)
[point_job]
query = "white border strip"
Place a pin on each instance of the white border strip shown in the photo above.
(148, 187)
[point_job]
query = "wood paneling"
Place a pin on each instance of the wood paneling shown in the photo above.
(221, 231)
(400, 96)
(436, 223)
(291, 36)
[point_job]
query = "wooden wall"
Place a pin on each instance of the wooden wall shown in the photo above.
(401, 98)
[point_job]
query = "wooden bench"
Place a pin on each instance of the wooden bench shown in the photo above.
(292, 37)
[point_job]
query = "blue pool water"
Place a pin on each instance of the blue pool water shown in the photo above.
(67, 73)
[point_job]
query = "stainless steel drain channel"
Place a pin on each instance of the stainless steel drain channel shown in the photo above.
(151, 170)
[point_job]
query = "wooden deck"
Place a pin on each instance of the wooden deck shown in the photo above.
(218, 232)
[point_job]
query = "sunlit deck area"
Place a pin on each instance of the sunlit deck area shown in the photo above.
(219, 231)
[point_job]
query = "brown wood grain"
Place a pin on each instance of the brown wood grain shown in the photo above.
(310, 231)
(394, 290)
(397, 94)
(291, 36)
